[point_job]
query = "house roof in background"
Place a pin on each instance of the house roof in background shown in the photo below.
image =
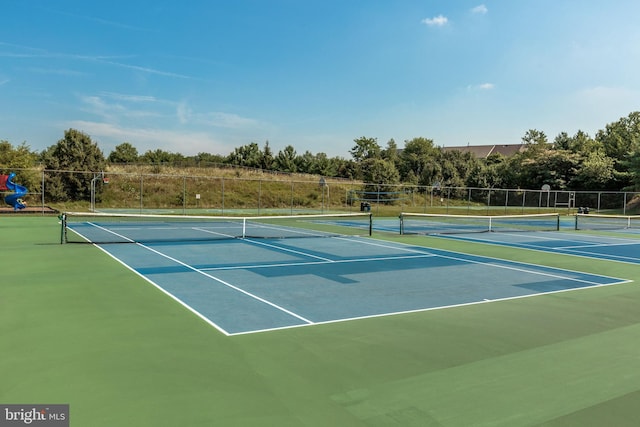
(484, 151)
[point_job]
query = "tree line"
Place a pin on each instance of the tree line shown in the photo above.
(610, 160)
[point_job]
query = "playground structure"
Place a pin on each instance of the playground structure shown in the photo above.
(16, 191)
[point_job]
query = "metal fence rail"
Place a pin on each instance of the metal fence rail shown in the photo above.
(141, 192)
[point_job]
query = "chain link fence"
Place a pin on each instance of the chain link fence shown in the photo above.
(144, 192)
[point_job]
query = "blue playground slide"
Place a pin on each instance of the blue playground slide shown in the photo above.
(15, 199)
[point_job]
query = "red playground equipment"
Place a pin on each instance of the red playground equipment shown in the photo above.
(17, 191)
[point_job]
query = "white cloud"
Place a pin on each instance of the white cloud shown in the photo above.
(100, 21)
(30, 52)
(56, 71)
(138, 68)
(150, 123)
(480, 10)
(482, 86)
(436, 21)
(186, 115)
(129, 98)
(117, 111)
(188, 143)
(607, 98)
(227, 120)
(183, 113)
(96, 105)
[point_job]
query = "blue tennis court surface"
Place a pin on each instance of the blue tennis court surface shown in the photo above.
(571, 243)
(245, 285)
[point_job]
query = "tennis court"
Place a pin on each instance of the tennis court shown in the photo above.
(606, 237)
(79, 327)
(258, 284)
(587, 245)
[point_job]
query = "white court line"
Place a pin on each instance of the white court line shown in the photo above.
(412, 249)
(514, 244)
(169, 294)
(265, 301)
(372, 242)
(571, 248)
(249, 294)
(107, 230)
(547, 238)
(213, 232)
(296, 264)
(160, 288)
(255, 242)
(422, 310)
(504, 266)
(533, 247)
(597, 245)
(605, 257)
(563, 236)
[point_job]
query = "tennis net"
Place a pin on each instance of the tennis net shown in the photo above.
(415, 223)
(102, 228)
(606, 222)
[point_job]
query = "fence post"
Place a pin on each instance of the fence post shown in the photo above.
(141, 192)
(259, 195)
(42, 192)
(222, 195)
(506, 202)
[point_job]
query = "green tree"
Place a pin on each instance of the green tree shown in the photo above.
(619, 137)
(483, 175)
(207, 159)
(411, 179)
(620, 141)
(536, 142)
(459, 166)
(562, 141)
(580, 143)
(285, 161)
(19, 159)
(345, 168)
(161, 157)
(631, 167)
(124, 153)
(390, 153)
(556, 168)
(304, 163)
(418, 157)
(248, 155)
(634, 166)
(379, 175)
(365, 148)
(595, 172)
(74, 159)
(266, 162)
(323, 165)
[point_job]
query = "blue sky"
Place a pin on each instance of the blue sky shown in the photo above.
(211, 75)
